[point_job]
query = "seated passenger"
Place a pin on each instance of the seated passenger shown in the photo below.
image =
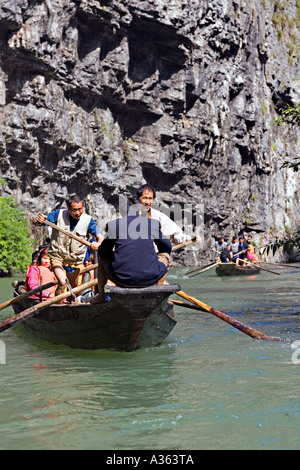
(40, 273)
(243, 248)
(251, 254)
(127, 255)
(235, 249)
(226, 254)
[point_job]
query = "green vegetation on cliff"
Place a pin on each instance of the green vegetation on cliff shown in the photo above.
(15, 243)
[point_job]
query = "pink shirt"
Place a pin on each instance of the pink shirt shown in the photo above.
(34, 275)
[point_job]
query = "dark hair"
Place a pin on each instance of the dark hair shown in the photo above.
(91, 258)
(145, 187)
(35, 255)
(41, 247)
(75, 198)
(131, 201)
(42, 252)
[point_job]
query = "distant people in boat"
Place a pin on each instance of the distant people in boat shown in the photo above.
(235, 249)
(40, 273)
(67, 255)
(226, 254)
(250, 241)
(219, 245)
(127, 256)
(243, 247)
(145, 195)
(251, 255)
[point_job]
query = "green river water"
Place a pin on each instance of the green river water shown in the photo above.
(207, 387)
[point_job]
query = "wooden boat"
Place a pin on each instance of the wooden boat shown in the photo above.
(132, 319)
(232, 269)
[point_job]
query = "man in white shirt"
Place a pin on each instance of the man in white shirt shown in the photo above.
(146, 195)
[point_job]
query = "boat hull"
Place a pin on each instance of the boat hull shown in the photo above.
(132, 319)
(231, 269)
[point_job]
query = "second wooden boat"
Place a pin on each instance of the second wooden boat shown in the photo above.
(232, 269)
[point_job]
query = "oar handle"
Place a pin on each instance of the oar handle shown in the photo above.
(181, 245)
(69, 234)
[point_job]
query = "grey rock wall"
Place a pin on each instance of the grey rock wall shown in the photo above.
(98, 97)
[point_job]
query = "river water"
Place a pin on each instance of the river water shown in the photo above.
(208, 386)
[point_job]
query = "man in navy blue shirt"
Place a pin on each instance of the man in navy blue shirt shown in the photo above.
(128, 257)
(243, 247)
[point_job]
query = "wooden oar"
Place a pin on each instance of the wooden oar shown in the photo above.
(285, 265)
(186, 305)
(181, 245)
(200, 267)
(206, 269)
(69, 234)
(223, 316)
(258, 266)
(40, 289)
(34, 310)
(234, 254)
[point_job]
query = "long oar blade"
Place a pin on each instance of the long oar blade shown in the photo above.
(282, 264)
(199, 268)
(223, 316)
(258, 266)
(206, 269)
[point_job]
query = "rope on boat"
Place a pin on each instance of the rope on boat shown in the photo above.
(73, 296)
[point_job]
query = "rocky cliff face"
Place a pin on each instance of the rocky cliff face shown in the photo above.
(98, 97)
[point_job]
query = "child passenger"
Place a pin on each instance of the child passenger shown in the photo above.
(40, 273)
